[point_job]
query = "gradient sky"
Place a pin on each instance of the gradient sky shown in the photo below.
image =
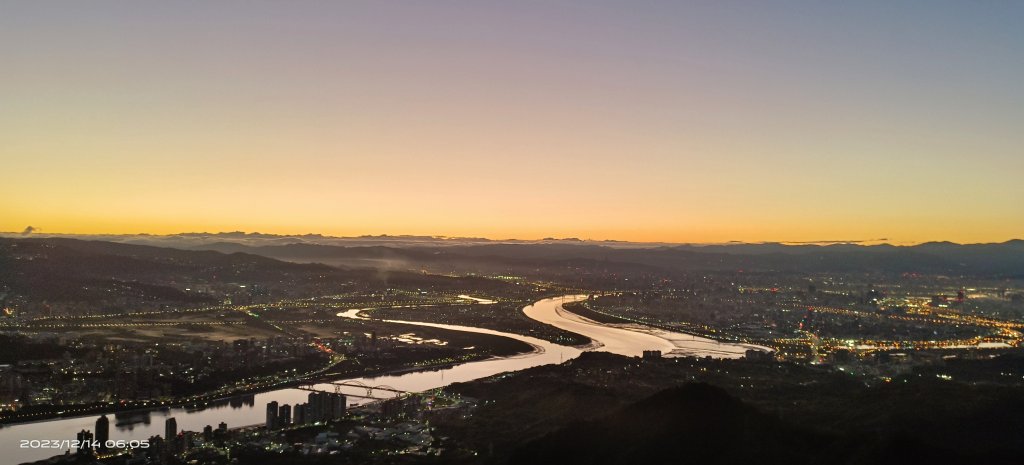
(668, 121)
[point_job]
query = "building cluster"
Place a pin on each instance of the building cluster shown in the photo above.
(156, 449)
(91, 373)
(321, 407)
(400, 425)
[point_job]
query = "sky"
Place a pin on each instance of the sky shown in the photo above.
(696, 121)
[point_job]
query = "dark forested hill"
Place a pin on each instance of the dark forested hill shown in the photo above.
(71, 270)
(700, 423)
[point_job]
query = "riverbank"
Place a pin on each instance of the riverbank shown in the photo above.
(395, 361)
(220, 398)
(502, 316)
(405, 379)
(682, 338)
(634, 339)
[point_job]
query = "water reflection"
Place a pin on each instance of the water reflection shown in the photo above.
(243, 410)
(248, 410)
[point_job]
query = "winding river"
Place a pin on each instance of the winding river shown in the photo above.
(633, 339)
(622, 339)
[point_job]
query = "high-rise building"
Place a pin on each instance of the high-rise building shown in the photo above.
(337, 403)
(323, 406)
(284, 416)
(272, 415)
(85, 439)
(102, 432)
(391, 408)
(313, 411)
(170, 429)
(299, 415)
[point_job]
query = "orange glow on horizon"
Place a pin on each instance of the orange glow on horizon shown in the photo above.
(508, 120)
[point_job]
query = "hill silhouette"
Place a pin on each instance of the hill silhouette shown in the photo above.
(702, 424)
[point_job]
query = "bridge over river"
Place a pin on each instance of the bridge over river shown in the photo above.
(621, 339)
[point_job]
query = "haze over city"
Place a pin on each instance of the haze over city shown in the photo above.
(692, 122)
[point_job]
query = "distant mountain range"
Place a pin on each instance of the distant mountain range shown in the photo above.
(186, 240)
(1002, 260)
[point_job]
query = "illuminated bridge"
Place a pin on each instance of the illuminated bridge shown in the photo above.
(338, 385)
